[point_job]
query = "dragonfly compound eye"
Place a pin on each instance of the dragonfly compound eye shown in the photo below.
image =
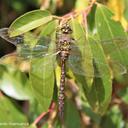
(66, 29)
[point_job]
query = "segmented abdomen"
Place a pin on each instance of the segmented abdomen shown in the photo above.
(61, 91)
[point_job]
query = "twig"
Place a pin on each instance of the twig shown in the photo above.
(75, 14)
(39, 118)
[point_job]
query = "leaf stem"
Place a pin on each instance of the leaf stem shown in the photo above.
(38, 120)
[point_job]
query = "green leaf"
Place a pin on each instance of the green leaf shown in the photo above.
(42, 74)
(49, 28)
(113, 119)
(86, 62)
(95, 98)
(29, 21)
(14, 83)
(100, 94)
(10, 116)
(90, 51)
(106, 26)
(109, 29)
(42, 79)
(71, 114)
(88, 111)
(126, 9)
(91, 18)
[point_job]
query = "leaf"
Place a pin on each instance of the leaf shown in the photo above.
(100, 94)
(79, 35)
(42, 79)
(14, 83)
(105, 23)
(50, 28)
(71, 114)
(89, 113)
(99, 101)
(113, 119)
(126, 9)
(10, 116)
(29, 21)
(91, 18)
(42, 75)
(107, 28)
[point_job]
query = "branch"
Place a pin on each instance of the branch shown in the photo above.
(38, 120)
(75, 14)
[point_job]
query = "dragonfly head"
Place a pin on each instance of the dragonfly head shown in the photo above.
(66, 29)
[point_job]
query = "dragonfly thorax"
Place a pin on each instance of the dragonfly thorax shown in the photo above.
(64, 40)
(64, 48)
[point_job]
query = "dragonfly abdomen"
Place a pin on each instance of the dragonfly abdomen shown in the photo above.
(61, 90)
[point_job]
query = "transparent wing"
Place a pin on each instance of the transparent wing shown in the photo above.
(121, 42)
(29, 45)
(38, 51)
(24, 64)
(76, 60)
(77, 66)
(27, 38)
(14, 40)
(82, 65)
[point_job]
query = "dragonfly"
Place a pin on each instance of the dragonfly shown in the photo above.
(65, 47)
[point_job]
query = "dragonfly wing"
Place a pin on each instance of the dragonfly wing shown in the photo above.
(14, 40)
(111, 47)
(30, 46)
(12, 60)
(81, 65)
(18, 61)
(76, 65)
(46, 62)
(117, 68)
(38, 51)
(121, 42)
(78, 62)
(26, 38)
(116, 50)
